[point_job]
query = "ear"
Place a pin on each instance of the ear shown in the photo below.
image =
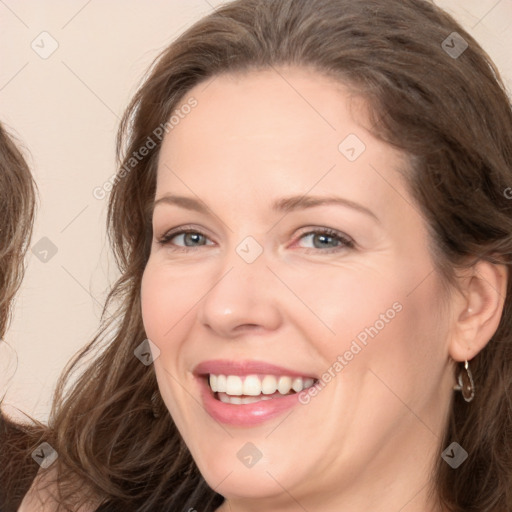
(477, 309)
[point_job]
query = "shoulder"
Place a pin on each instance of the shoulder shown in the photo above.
(40, 495)
(43, 495)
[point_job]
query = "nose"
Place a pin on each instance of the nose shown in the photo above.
(242, 297)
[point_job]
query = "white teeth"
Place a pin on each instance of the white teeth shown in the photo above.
(221, 383)
(254, 385)
(213, 382)
(306, 383)
(269, 385)
(234, 385)
(297, 384)
(223, 397)
(284, 385)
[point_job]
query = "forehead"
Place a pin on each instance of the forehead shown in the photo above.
(285, 111)
(271, 131)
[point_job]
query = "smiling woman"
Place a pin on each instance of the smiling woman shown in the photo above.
(343, 160)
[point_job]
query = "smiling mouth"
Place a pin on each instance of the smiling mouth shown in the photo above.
(247, 389)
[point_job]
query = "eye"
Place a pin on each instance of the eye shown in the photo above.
(327, 240)
(184, 237)
(323, 239)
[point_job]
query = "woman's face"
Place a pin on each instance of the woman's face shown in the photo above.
(305, 257)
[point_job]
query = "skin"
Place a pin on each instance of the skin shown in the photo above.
(369, 439)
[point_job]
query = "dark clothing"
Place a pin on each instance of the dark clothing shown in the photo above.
(17, 468)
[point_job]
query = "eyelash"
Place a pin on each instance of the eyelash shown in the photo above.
(345, 242)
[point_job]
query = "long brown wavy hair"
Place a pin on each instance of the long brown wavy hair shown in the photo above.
(449, 114)
(17, 210)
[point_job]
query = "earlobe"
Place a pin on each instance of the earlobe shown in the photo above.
(478, 309)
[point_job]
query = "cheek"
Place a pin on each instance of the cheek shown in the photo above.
(345, 304)
(405, 357)
(165, 300)
(380, 320)
(153, 303)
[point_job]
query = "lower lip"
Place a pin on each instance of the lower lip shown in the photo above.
(245, 415)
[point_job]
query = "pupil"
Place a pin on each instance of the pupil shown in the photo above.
(325, 238)
(192, 237)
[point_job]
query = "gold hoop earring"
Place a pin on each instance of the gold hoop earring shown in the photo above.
(466, 385)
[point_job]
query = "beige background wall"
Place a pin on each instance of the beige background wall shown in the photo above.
(65, 107)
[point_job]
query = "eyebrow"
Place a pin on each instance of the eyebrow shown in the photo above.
(284, 205)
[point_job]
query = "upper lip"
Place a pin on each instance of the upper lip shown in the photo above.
(245, 367)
